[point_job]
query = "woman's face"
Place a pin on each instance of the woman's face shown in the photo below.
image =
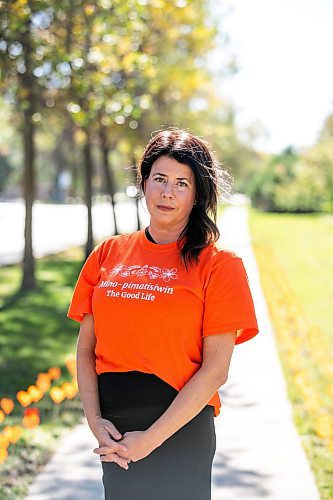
(170, 192)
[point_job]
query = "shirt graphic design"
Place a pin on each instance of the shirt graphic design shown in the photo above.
(137, 290)
(153, 272)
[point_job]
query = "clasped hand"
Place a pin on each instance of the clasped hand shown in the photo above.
(133, 446)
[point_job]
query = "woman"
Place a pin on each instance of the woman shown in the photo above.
(161, 310)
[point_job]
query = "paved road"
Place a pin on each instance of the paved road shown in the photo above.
(57, 227)
(259, 454)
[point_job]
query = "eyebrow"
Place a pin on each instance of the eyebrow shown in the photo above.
(178, 178)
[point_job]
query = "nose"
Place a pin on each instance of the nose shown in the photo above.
(167, 190)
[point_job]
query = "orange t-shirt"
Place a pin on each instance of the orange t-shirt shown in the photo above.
(151, 315)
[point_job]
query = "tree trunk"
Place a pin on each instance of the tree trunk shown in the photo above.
(28, 129)
(29, 280)
(88, 171)
(108, 177)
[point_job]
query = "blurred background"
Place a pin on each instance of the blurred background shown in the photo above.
(83, 86)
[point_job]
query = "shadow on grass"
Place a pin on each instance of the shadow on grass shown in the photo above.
(35, 332)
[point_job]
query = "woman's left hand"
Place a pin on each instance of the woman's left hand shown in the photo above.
(137, 443)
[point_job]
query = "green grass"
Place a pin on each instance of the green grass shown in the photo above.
(35, 334)
(303, 245)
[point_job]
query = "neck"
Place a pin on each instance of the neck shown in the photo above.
(164, 236)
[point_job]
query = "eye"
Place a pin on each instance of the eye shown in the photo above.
(159, 179)
(182, 184)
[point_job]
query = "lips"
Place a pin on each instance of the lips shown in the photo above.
(165, 208)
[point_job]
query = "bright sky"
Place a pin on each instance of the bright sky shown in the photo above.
(284, 49)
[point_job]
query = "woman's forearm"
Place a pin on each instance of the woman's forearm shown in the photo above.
(191, 399)
(196, 393)
(87, 382)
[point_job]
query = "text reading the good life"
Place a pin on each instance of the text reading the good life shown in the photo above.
(127, 295)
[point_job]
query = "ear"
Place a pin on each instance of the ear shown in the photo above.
(144, 185)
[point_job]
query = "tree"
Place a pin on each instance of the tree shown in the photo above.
(104, 73)
(318, 160)
(20, 26)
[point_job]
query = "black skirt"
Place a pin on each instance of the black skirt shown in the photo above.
(179, 469)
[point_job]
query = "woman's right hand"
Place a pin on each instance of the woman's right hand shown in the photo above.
(104, 431)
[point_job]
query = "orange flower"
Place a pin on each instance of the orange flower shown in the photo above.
(35, 393)
(31, 411)
(57, 394)
(71, 364)
(31, 418)
(2, 416)
(4, 440)
(16, 433)
(9, 433)
(43, 382)
(3, 455)
(54, 372)
(69, 389)
(23, 398)
(7, 405)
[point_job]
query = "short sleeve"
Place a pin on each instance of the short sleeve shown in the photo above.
(228, 301)
(84, 288)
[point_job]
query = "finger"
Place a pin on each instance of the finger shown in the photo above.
(121, 448)
(122, 462)
(113, 445)
(103, 450)
(113, 430)
(113, 457)
(107, 441)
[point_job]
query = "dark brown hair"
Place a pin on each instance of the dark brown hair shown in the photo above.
(211, 181)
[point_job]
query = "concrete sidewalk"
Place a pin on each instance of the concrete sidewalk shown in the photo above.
(258, 454)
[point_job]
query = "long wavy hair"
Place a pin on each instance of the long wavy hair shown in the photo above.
(211, 180)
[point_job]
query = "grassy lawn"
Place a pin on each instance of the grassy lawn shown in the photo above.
(35, 334)
(303, 245)
(297, 250)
